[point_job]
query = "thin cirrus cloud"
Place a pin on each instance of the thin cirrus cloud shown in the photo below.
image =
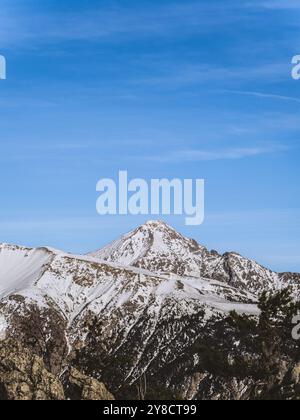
(281, 4)
(263, 95)
(17, 26)
(196, 155)
(191, 74)
(24, 25)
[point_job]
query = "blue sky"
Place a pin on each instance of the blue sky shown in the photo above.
(199, 89)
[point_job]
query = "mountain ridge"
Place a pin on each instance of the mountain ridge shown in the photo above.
(116, 322)
(143, 248)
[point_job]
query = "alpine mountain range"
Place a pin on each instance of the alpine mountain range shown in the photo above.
(127, 321)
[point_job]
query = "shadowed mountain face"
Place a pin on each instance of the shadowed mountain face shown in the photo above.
(132, 310)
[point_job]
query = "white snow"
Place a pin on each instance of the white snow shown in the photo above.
(43, 274)
(3, 327)
(111, 286)
(107, 284)
(20, 268)
(159, 248)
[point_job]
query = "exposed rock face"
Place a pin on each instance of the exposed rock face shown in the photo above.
(23, 375)
(82, 387)
(131, 311)
(288, 277)
(42, 329)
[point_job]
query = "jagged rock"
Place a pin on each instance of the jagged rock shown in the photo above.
(82, 387)
(23, 375)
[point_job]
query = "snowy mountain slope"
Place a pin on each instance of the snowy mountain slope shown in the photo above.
(50, 299)
(75, 283)
(20, 268)
(134, 308)
(157, 247)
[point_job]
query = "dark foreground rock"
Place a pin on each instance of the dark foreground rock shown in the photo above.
(82, 387)
(23, 376)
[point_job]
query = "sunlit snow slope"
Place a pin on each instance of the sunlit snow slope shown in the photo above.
(139, 304)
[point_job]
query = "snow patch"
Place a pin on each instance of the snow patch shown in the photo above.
(3, 327)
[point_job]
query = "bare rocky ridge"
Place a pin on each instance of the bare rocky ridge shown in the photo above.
(131, 311)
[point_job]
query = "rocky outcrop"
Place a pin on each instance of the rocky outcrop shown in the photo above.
(40, 329)
(82, 387)
(23, 375)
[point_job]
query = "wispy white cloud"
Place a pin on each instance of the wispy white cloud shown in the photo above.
(190, 74)
(101, 23)
(281, 4)
(25, 25)
(197, 155)
(46, 224)
(263, 95)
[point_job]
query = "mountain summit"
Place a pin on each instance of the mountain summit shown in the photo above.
(157, 247)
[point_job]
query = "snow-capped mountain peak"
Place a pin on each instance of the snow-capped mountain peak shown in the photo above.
(150, 296)
(159, 248)
(156, 247)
